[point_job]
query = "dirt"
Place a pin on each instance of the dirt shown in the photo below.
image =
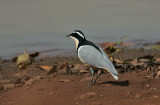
(66, 84)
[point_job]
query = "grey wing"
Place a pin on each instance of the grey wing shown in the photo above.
(92, 56)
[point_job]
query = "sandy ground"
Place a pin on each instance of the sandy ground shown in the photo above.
(67, 84)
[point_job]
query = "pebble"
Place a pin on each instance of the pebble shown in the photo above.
(157, 59)
(30, 81)
(50, 93)
(7, 86)
(54, 69)
(137, 96)
(155, 96)
(83, 71)
(158, 75)
(87, 95)
(64, 80)
(148, 85)
(129, 94)
(4, 81)
(94, 103)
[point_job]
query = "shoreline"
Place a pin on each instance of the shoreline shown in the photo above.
(132, 44)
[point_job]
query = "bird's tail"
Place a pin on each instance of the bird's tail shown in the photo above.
(109, 65)
(113, 72)
(115, 76)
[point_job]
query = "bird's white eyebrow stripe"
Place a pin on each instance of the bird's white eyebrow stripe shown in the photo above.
(80, 34)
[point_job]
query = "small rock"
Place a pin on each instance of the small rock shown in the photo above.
(25, 78)
(87, 95)
(4, 81)
(68, 69)
(94, 103)
(18, 81)
(78, 67)
(29, 82)
(54, 69)
(18, 85)
(149, 70)
(118, 61)
(148, 86)
(77, 103)
(134, 62)
(62, 66)
(64, 80)
(62, 71)
(155, 96)
(137, 96)
(83, 71)
(158, 75)
(50, 93)
(149, 76)
(157, 59)
(47, 68)
(22, 80)
(65, 69)
(154, 88)
(38, 77)
(147, 93)
(7, 86)
(129, 94)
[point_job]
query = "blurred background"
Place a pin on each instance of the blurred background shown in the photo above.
(40, 25)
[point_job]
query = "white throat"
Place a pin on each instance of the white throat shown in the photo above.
(76, 41)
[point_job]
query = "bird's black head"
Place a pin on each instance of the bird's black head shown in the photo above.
(78, 35)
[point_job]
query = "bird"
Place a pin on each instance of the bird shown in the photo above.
(92, 55)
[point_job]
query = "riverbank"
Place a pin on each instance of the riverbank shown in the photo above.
(49, 80)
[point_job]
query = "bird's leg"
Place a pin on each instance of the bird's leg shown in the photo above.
(92, 72)
(94, 81)
(101, 72)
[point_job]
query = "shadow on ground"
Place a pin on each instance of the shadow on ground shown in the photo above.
(119, 83)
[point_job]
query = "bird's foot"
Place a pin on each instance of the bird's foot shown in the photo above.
(91, 84)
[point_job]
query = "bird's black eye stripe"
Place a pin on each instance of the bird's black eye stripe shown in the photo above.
(77, 36)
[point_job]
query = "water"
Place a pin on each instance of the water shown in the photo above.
(39, 25)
